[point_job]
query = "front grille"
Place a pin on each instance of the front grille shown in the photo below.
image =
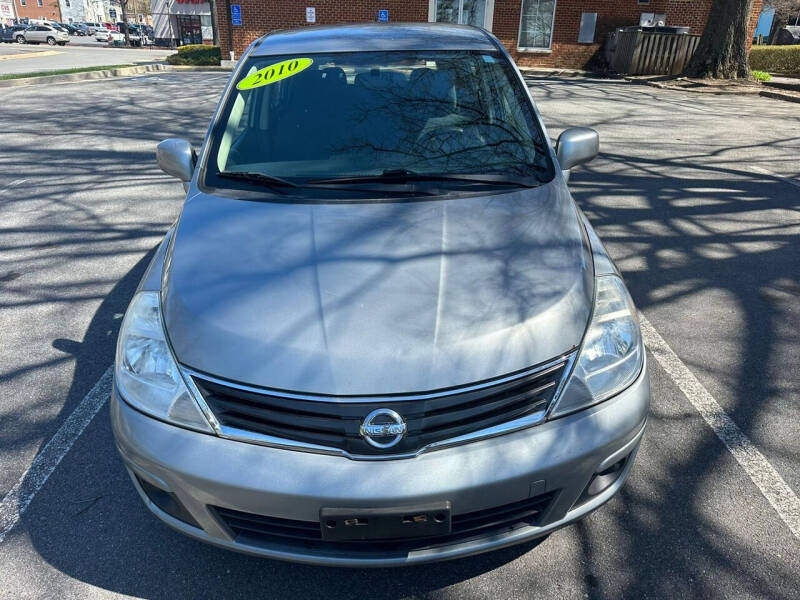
(335, 421)
(262, 530)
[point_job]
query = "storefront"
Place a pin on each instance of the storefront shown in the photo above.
(7, 13)
(560, 33)
(181, 22)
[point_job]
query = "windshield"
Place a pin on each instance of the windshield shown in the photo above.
(346, 115)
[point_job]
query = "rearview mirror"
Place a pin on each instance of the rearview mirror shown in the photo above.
(576, 146)
(176, 158)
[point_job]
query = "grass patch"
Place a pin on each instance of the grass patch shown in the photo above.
(761, 76)
(63, 71)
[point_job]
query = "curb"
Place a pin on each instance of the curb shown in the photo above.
(555, 72)
(700, 89)
(779, 96)
(775, 94)
(212, 68)
(781, 85)
(86, 75)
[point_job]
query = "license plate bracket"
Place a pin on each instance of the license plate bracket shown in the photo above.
(341, 524)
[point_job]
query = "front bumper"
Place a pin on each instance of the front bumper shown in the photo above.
(559, 458)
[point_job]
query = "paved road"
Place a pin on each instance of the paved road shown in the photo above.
(689, 197)
(30, 58)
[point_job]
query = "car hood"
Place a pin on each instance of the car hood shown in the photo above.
(377, 298)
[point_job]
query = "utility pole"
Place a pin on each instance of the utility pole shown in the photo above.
(230, 27)
(212, 4)
(123, 4)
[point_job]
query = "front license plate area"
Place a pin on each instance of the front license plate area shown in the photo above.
(340, 524)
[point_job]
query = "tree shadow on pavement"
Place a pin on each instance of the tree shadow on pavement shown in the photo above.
(664, 535)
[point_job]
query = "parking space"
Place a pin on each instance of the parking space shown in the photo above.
(697, 198)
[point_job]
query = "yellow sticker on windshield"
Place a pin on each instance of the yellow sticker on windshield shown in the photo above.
(274, 73)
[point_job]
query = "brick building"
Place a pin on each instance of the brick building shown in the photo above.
(38, 9)
(562, 33)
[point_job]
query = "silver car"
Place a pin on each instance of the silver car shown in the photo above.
(45, 34)
(381, 331)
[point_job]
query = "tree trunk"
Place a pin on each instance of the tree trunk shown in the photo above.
(722, 51)
(124, 7)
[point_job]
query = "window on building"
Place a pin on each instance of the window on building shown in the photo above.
(23, 2)
(466, 12)
(39, 3)
(68, 5)
(588, 24)
(536, 24)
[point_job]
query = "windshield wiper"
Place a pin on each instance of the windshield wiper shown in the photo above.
(277, 182)
(258, 178)
(406, 176)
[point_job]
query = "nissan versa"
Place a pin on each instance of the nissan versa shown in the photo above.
(381, 332)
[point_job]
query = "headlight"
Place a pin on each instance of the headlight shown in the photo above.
(146, 374)
(610, 358)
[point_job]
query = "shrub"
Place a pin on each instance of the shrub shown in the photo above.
(195, 54)
(761, 76)
(775, 59)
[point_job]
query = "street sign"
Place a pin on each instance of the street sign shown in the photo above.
(236, 14)
(383, 16)
(311, 14)
(112, 13)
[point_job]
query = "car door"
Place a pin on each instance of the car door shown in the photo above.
(36, 33)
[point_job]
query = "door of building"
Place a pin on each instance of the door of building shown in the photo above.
(466, 12)
(189, 29)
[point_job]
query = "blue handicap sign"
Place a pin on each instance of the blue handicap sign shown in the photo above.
(383, 16)
(236, 14)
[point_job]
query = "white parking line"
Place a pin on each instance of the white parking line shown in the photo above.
(19, 497)
(12, 184)
(767, 479)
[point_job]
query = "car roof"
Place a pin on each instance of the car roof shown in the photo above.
(372, 37)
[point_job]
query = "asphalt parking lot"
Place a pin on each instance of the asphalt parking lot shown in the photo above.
(698, 199)
(33, 58)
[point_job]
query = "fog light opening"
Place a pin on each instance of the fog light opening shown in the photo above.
(601, 481)
(168, 502)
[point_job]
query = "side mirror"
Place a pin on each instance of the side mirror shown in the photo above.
(176, 158)
(576, 146)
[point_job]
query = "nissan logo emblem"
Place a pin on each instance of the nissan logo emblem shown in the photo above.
(383, 428)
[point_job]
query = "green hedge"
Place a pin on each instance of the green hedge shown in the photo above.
(775, 59)
(195, 54)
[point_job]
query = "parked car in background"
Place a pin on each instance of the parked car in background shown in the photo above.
(115, 37)
(110, 26)
(91, 28)
(139, 35)
(101, 34)
(39, 34)
(135, 36)
(13, 34)
(72, 29)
